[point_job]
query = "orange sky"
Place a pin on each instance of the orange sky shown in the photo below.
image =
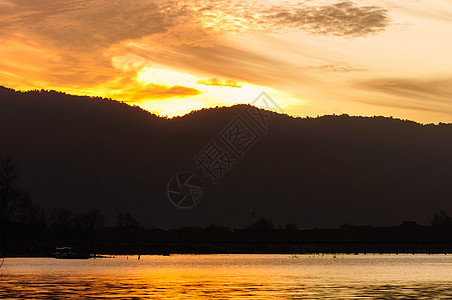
(385, 57)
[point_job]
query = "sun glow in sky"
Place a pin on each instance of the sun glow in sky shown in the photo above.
(374, 57)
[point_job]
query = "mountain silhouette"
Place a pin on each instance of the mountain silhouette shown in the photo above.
(80, 153)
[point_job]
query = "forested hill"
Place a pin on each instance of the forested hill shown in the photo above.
(80, 153)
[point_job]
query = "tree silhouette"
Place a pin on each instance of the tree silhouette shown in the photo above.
(11, 196)
(441, 219)
(262, 224)
(91, 221)
(125, 220)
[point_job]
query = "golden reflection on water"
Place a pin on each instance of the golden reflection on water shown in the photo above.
(231, 277)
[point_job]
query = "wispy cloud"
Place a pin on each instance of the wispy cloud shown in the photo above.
(219, 82)
(237, 63)
(431, 90)
(137, 93)
(334, 67)
(84, 25)
(424, 95)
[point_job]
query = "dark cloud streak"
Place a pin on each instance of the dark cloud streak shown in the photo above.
(84, 25)
(427, 95)
(437, 90)
(340, 19)
(237, 64)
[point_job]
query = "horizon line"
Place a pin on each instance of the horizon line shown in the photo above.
(220, 107)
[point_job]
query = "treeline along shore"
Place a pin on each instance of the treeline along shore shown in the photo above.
(26, 229)
(85, 232)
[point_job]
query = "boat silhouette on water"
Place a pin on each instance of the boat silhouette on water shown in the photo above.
(67, 253)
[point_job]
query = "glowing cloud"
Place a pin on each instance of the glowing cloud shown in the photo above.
(173, 56)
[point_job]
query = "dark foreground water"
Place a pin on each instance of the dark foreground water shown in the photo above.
(231, 277)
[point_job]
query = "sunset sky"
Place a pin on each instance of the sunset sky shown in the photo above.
(385, 57)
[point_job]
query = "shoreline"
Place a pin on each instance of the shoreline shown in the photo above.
(244, 247)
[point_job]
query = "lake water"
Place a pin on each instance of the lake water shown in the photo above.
(231, 277)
